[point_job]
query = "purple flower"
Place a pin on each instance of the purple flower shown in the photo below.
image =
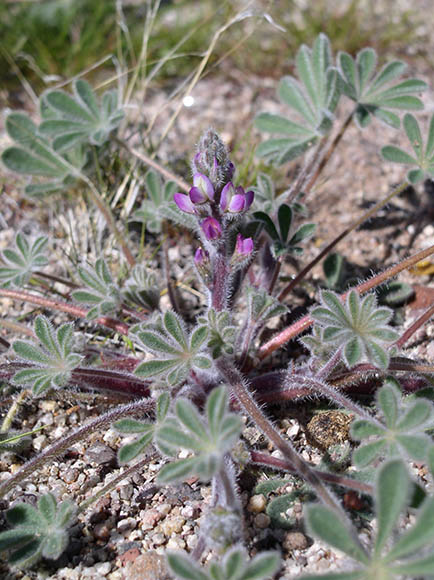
(243, 246)
(235, 200)
(200, 256)
(184, 203)
(211, 228)
(202, 190)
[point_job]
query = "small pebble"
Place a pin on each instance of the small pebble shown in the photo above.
(150, 518)
(257, 504)
(126, 525)
(158, 539)
(262, 521)
(294, 541)
(103, 568)
(172, 525)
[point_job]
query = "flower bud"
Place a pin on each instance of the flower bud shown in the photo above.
(211, 228)
(243, 246)
(212, 160)
(202, 263)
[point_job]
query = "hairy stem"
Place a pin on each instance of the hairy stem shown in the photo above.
(61, 445)
(13, 410)
(355, 224)
(220, 280)
(76, 311)
(282, 465)
(415, 326)
(237, 384)
(304, 323)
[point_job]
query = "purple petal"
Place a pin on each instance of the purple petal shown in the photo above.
(250, 196)
(237, 203)
(202, 182)
(211, 228)
(184, 203)
(248, 246)
(199, 256)
(243, 246)
(226, 194)
(197, 196)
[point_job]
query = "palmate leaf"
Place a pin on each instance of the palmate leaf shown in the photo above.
(51, 364)
(69, 120)
(100, 290)
(313, 99)
(380, 93)
(392, 496)
(159, 197)
(175, 350)
(20, 262)
(208, 438)
(146, 431)
(142, 288)
(358, 327)
(404, 432)
(34, 155)
(423, 159)
(221, 335)
(37, 531)
(235, 565)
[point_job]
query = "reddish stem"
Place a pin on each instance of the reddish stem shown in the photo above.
(76, 311)
(415, 326)
(282, 465)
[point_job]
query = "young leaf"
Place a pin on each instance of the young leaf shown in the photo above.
(100, 290)
(358, 326)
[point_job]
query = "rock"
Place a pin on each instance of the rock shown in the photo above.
(149, 566)
(262, 521)
(172, 525)
(257, 504)
(100, 454)
(294, 541)
(126, 524)
(150, 519)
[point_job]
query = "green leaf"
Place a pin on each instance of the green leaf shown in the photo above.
(397, 155)
(392, 490)
(216, 406)
(177, 470)
(132, 426)
(189, 417)
(367, 452)
(416, 568)
(130, 450)
(183, 567)
(153, 368)
(326, 525)
(262, 566)
(162, 407)
(421, 534)
(47, 507)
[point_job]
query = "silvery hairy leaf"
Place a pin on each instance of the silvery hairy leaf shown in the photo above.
(50, 364)
(37, 532)
(404, 432)
(208, 437)
(176, 351)
(422, 160)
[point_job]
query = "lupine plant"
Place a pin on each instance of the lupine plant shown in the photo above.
(187, 379)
